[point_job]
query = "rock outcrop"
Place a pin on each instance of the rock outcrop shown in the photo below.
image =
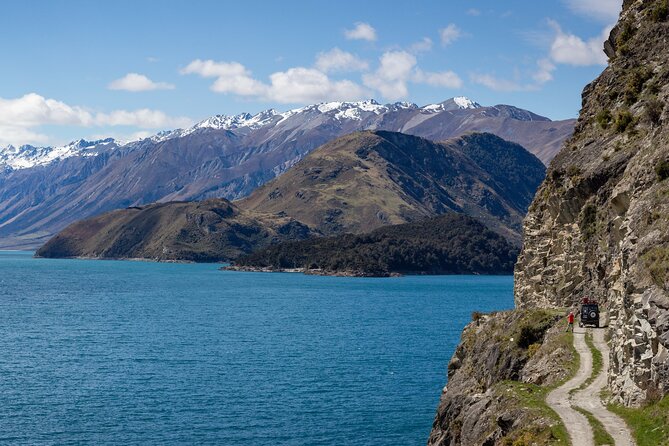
(598, 228)
(599, 225)
(492, 393)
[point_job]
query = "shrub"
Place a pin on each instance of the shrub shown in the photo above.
(662, 170)
(656, 262)
(635, 82)
(653, 110)
(623, 121)
(660, 12)
(625, 34)
(603, 118)
(588, 220)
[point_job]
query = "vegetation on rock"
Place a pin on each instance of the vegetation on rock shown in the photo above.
(449, 244)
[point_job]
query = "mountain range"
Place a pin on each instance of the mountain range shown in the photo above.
(354, 184)
(42, 190)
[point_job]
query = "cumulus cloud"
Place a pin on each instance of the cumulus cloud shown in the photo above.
(604, 10)
(231, 77)
(391, 77)
(398, 68)
(361, 31)
(497, 84)
(138, 82)
(570, 49)
(20, 117)
(544, 71)
(337, 60)
(449, 34)
(447, 79)
(295, 85)
(533, 79)
(421, 46)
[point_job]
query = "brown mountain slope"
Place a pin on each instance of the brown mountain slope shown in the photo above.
(369, 179)
(208, 231)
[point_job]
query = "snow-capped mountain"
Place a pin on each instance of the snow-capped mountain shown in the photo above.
(356, 111)
(44, 189)
(28, 156)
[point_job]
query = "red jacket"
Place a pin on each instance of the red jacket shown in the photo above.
(570, 318)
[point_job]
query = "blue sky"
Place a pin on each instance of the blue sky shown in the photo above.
(130, 68)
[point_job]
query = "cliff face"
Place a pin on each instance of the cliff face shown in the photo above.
(599, 224)
(494, 380)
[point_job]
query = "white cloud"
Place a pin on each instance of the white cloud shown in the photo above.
(361, 31)
(449, 34)
(231, 77)
(341, 61)
(138, 82)
(305, 85)
(17, 136)
(570, 49)
(604, 10)
(32, 110)
(544, 71)
(295, 85)
(535, 79)
(398, 68)
(392, 75)
(473, 12)
(446, 79)
(497, 84)
(143, 118)
(20, 117)
(421, 46)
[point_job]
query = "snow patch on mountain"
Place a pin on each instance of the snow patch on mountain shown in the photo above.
(27, 156)
(465, 103)
(456, 103)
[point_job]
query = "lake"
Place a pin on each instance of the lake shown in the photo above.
(104, 352)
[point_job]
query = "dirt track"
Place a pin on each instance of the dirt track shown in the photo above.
(560, 400)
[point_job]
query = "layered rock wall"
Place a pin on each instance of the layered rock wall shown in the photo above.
(599, 224)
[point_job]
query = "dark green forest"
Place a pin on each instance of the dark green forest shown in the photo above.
(448, 244)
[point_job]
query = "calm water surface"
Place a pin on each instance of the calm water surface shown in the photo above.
(104, 352)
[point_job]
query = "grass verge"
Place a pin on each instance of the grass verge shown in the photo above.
(533, 397)
(649, 424)
(601, 436)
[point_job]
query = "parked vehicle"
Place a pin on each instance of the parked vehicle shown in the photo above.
(589, 313)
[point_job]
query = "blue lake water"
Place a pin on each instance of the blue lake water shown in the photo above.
(102, 352)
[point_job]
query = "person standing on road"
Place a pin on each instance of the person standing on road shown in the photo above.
(570, 322)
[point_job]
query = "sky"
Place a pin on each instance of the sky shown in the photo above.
(128, 69)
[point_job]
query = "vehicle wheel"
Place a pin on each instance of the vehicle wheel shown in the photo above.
(580, 324)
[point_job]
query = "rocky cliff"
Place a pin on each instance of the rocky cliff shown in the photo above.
(599, 225)
(599, 228)
(494, 394)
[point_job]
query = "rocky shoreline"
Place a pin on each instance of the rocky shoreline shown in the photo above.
(308, 271)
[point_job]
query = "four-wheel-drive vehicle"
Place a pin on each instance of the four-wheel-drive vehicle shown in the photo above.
(589, 313)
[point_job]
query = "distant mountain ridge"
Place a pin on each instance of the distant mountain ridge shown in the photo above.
(354, 184)
(42, 190)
